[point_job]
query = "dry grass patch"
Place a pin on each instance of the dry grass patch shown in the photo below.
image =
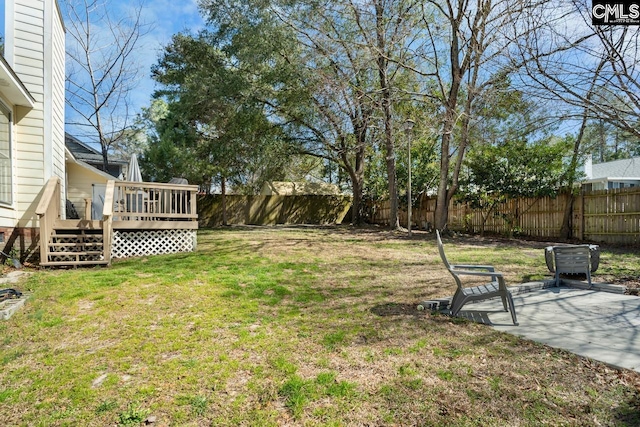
(292, 326)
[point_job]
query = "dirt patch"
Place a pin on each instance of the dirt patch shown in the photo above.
(397, 309)
(632, 285)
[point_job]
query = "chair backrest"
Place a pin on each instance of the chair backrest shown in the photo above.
(441, 250)
(572, 259)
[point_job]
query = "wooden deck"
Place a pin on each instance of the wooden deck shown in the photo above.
(139, 218)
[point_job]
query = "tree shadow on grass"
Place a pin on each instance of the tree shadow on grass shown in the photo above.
(397, 309)
(411, 309)
(628, 413)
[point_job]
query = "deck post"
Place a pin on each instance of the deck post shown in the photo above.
(87, 208)
(107, 220)
(48, 212)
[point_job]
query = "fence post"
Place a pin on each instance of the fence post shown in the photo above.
(581, 219)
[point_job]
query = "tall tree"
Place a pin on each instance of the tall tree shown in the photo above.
(467, 45)
(218, 101)
(395, 31)
(316, 92)
(353, 49)
(101, 69)
(340, 112)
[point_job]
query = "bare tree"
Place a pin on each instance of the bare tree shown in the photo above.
(591, 71)
(101, 69)
(355, 50)
(467, 44)
(594, 71)
(470, 45)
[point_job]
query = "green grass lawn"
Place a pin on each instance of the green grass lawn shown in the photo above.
(294, 326)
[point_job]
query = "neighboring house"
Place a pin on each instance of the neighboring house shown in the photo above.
(86, 180)
(38, 173)
(88, 155)
(609, 175)
(32, 78)
(287, 188)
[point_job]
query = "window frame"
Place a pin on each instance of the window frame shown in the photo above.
(7, 111)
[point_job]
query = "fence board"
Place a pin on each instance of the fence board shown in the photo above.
(610, 216)
(271, 210)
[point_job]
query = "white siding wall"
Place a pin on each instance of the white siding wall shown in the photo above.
(80, 186)
(55, 56)
(36, 53)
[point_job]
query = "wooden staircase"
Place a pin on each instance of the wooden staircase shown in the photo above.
(75, 243)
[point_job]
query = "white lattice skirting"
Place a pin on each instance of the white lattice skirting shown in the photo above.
(152, 242)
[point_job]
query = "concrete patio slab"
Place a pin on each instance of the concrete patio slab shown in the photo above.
(600, 325)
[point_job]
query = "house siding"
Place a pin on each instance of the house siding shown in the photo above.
(81, 181)
(8, 215)
(54, 87)
(28, 63)
(37, 57)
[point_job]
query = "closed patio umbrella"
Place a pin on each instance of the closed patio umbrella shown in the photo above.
(135, 202)
(133, 173)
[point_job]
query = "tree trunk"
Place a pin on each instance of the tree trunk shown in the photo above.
(442, 206)
(382, 63)
(442, 201)
(356, 210)
(444, 192)
(105, 159)
(223, 190)
(358, 183)
(356, 174)
(566, 229)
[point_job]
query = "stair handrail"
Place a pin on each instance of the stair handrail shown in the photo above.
(48, 212)
(107, 220)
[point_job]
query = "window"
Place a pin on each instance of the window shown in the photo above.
(5, 155)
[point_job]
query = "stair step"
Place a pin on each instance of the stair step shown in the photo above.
(76, 244)
(76, 230)
(75, 224)
(72, 238)
(79, 253)
(72, 263)
(76, 235)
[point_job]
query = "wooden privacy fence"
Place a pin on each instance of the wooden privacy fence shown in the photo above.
(611, 216)
(271, 210)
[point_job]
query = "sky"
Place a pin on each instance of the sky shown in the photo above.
(164, 19)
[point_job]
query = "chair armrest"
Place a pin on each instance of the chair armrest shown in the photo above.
(473, 267)
(479, 273)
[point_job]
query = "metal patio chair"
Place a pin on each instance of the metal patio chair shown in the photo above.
(575, 259)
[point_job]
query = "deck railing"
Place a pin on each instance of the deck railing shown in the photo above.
(150, 205)
(48, 212)
(145, 218)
